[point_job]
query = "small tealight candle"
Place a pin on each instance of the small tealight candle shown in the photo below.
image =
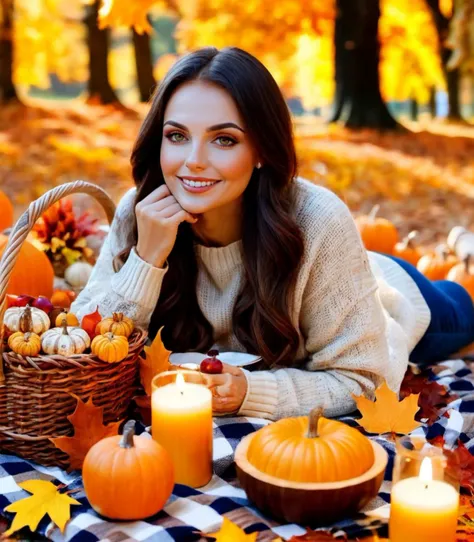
(182, 423)
(422, 509)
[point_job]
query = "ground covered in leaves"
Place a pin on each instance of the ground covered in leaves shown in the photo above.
(422, 178)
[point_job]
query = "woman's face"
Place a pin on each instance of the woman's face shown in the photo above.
(206, 156)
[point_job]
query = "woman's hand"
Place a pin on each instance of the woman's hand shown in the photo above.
(228, 389)
(158, 218)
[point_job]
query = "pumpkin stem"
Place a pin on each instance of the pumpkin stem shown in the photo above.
(26, 323)
(467, 261)
(118, 316)
(64, 326)
(408, 241)
(314, 417)
(373, 212)
(128, 432)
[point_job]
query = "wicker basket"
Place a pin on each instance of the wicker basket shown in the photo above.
(36, 394)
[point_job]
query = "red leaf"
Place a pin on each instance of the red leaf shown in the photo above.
(315, 536)
(460, 463)
(433, 396)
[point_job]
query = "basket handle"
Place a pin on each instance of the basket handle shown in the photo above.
(25, 224)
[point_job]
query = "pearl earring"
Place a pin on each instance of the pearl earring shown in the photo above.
(259, 165)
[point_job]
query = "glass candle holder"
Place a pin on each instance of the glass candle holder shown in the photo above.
(424, 499)
(181, 414)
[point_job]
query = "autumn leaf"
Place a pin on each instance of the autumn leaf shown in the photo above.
(45, 499)
(432, 396)
(87, 420)
(460, 464)
(156, 362)
(230, 532)
(387, 414)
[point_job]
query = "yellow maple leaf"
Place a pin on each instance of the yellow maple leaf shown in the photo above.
(87, 420)
(156, 362)
(387, 414)
(45, 499)
(230, 532)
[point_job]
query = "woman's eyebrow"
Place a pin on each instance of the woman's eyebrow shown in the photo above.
(210, 129)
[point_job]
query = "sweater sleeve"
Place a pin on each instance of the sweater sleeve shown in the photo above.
(343, 328)
(133, 290)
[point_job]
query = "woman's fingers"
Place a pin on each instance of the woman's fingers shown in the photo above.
(232, 369)
(159, 193)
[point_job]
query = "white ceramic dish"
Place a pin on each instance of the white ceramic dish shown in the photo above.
(238, 359)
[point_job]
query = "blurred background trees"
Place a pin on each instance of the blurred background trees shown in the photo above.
(347, 59)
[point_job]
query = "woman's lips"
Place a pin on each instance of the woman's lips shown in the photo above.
(190, 186)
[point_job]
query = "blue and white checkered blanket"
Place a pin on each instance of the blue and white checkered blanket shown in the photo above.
(189, 511)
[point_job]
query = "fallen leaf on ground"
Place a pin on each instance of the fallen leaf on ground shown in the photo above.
(156, 362)
(315, 536)
(432, 396)
(87, 420)
(387, 414)
(45, 499)
(230, 532)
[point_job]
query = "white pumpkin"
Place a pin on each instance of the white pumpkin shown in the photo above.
(26, 319)
(78, 274)
(65, 341)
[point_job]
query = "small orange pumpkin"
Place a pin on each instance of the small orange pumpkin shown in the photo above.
(462, 274)
(407, 250)
(378, 234)
(127, 477)
(437, 264)
(71, 319)
(118, 325)
(25, 344)
(313, 449)
(110, 348)
(61, 298)
(6, 212)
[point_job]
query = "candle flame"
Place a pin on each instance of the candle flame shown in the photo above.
(180, 382)
(426, 470)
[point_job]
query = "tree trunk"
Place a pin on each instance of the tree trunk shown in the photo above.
(432, 102)
(414, 109)
(7, 87)
(144, 65)
(358, 102)
(99, 88)
(452, 76)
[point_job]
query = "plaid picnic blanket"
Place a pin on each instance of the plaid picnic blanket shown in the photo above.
(190, 510)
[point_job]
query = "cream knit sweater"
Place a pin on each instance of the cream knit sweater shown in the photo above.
(359, 314)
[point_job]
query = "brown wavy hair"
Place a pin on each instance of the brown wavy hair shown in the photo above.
(272, 242)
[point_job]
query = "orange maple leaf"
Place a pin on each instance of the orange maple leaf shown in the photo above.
(229, 531)
(156, 362)
(87, 420)
(387, 414)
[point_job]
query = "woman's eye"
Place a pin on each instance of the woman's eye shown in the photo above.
(226, 141)
(176, 137)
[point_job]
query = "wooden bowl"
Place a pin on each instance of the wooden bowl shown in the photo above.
(309, 503)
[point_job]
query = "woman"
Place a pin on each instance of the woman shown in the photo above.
(222, 245)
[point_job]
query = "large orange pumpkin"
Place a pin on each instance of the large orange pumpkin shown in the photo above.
(33, 273)
(313, 449)
(378, 234)
(127, 477)
(463, 274)
(437, 264)
(6, 212)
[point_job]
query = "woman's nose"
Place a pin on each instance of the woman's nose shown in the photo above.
(197, 159)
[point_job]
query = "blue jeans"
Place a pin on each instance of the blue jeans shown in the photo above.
(452, 317)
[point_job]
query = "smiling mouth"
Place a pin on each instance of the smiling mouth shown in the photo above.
(197, 184)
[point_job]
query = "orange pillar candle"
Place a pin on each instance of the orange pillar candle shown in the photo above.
(182, 424)
(423, 509)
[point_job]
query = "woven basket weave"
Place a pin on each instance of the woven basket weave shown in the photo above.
(37, 394)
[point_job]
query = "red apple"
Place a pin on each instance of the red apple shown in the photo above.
(211, 365)
(43, 303)
(23, 300)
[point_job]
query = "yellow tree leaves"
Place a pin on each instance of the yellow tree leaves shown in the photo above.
(156, 361)
(87, 420)
(45, 499)
(387, 414)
